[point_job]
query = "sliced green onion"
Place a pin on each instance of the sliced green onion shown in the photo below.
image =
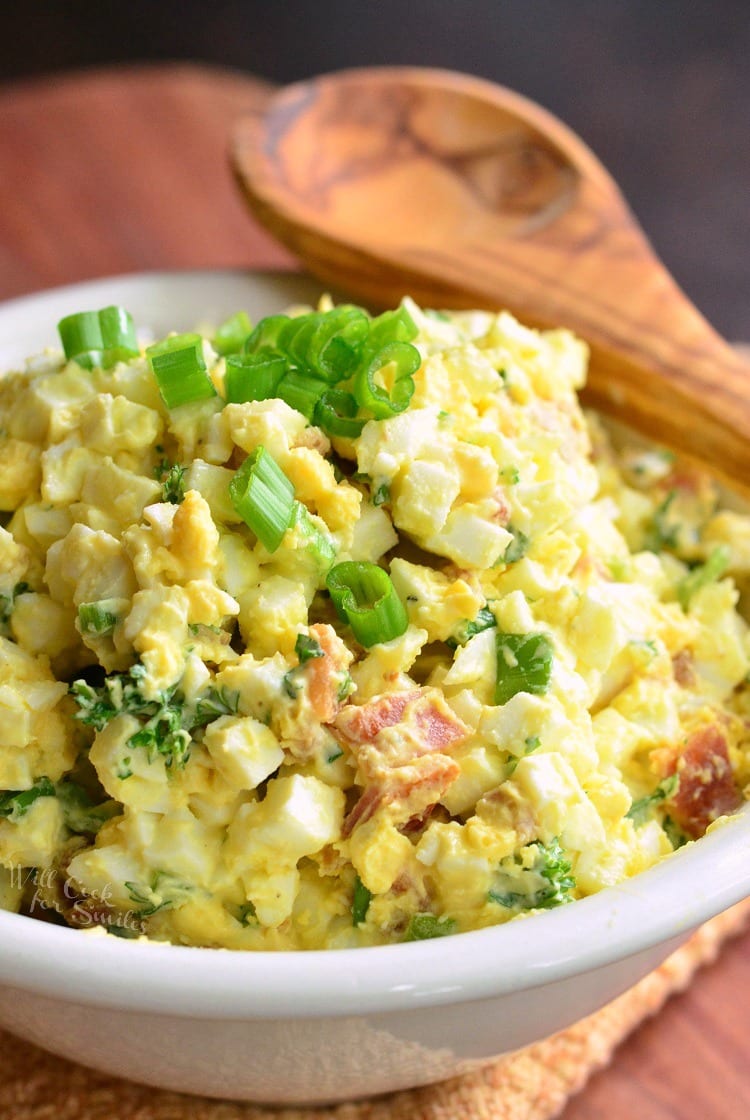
(15, 803)
(266, 334)
(180, 370)
(253, 377)
(296, 335)
(80, 333)
(263, 497)
(80, 812)
(517, 548)
(335, 347)
(98, 617)
(230, 335)
(405, 360)
(365, 598)
(118, 334)
(381, 494)
(422, 927)
(336, 414)
(524, 664)
(320, 546)
(703, 575)
(99, 338)
(391, 326)
(300, 391)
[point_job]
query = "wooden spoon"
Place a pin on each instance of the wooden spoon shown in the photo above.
(464, 194)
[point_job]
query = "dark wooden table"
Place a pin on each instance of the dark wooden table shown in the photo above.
(124, 170)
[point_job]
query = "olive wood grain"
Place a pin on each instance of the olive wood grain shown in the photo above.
(464, 194)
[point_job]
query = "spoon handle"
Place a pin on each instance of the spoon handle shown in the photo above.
(464, 194)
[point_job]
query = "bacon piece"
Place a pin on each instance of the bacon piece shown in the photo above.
(686, 479)
(324, 674)
(502, 511)
(706, 787)
(682, 668)
(399, 742)
(362, 723)
(369, 803)
(408, 790)
(587, 566)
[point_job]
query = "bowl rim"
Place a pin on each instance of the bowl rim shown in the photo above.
(657, 907)
(660, 906)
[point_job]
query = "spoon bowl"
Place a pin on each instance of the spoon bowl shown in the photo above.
(461, 193)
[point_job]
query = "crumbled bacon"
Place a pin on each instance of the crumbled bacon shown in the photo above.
(588, 565)
(686, 479)
(313, 438)
(706, 788)
(502, 511)
(682, 668)
(362, 723)
(408, 790)
(324, 674)
(398, 741)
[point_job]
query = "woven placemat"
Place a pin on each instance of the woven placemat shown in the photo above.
(533, 1084)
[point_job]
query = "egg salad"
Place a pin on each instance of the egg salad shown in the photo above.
(338, 630)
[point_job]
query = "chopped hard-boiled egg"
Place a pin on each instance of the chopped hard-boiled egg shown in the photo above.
(362, 633)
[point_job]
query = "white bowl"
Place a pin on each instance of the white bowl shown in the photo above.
(324, 1026)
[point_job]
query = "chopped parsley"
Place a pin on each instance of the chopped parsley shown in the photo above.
(530, 744)
(517, 548)
(124, 769)
(14, 804)
(641, 809)
(539, 877)
(663, 532)
(307, 648)
(346, 687)
(702, 575)
(172, 479)
(167, 720)
(469, 628)
(246, 915)
(7, 603)
(198, 628)
(163, 892)
(524, 664)
(381, 494)
(360, 902)
(675, 835)
(291, 683)
(213, 703)
(645, 646)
